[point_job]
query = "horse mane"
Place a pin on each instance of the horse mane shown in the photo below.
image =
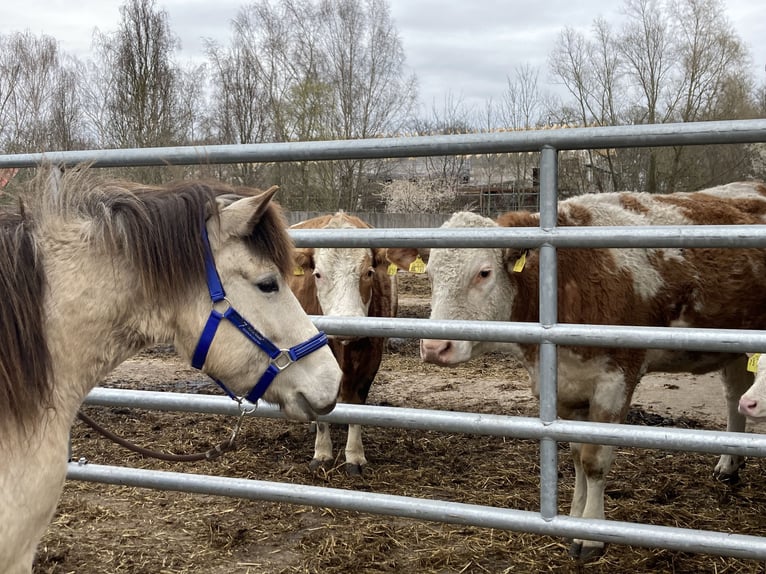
(155, 230)
(25, 364)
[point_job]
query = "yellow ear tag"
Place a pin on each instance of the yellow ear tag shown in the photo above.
(298, 271)
(520, 262)
(752, 362)
(392, 269)
(417, 266)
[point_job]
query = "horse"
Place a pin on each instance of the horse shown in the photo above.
(94, 270)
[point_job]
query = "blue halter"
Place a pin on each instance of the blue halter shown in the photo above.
(279, 359)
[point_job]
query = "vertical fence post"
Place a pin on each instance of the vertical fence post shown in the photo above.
(548, 317)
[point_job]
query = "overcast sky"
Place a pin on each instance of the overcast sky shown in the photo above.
(466, 48)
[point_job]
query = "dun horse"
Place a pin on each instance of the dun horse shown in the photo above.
(91, 272)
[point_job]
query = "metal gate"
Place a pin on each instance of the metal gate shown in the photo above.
(546, 429)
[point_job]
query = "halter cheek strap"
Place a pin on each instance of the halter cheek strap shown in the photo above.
(279, 359)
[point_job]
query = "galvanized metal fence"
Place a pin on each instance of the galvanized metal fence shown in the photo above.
(547, 429)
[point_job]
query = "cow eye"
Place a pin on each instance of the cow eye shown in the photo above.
(269, 285)
(317, 274)
(484, 273)
(370, 272)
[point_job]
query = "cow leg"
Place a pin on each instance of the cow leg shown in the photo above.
(592, 463)
(322, 448)
(355, 459)
(355, 392)
(737, 379)
(580, 489)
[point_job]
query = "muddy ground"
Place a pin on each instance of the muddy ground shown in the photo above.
(105, 529)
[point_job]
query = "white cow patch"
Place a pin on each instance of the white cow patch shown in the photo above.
(595, 380)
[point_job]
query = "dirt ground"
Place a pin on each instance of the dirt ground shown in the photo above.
(104, 529)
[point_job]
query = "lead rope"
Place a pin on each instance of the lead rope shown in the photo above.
(211, 454)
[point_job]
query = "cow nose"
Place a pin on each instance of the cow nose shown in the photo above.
(435, 351)
(748, 406)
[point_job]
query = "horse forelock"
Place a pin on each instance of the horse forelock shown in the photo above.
(25, 363)
(157, 231)
(271, 238)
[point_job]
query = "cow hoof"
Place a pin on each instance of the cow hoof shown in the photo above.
(316, 464)
(727, 469)
(727, 478)
(353, 469)
(586, 552)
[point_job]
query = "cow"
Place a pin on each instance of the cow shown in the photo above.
(662, 287)
(347, 282)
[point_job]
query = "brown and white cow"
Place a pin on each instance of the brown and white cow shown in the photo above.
(702, 287)
(347, 282)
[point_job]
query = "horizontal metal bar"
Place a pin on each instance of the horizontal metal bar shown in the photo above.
(565, 334)
(738, 545)
(708, 441)
(529, 237)
(695, 133)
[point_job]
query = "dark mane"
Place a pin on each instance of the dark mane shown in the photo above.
(155, 231)
(158, 229)
(25, 363)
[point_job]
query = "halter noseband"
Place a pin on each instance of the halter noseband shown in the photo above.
(279, 359)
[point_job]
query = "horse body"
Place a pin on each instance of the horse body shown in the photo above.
(119, 268)
(701, 287)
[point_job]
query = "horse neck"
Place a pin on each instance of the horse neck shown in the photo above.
(96, 317)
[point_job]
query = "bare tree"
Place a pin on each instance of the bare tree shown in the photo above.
(522, 110)
(142, 102)
(67, 125)
(451, 116)
(29, 66)
(364, 63)
(592, 70)
(300, 70)
(674, 61)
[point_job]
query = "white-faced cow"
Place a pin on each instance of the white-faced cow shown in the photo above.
(702, 287)
(347, 282)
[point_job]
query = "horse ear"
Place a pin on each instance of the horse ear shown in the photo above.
(240, 216)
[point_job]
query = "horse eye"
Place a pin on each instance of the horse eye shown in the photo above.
(268, 285)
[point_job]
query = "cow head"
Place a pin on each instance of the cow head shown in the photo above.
(343, 280)
(469, 284)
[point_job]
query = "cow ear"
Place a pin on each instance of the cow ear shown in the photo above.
(380, 256)
(240, 216)
(304, 261)
(404, 257)
(515, 258)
